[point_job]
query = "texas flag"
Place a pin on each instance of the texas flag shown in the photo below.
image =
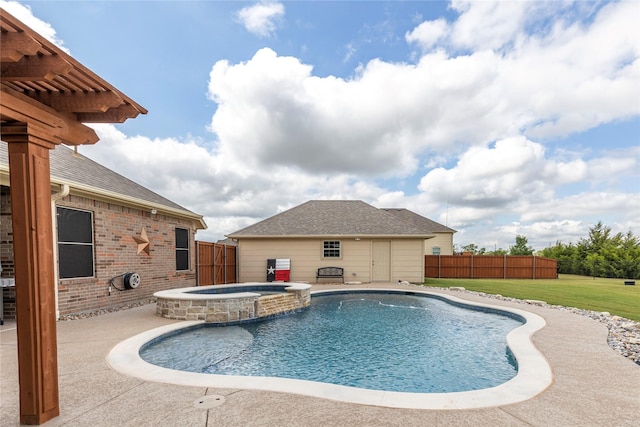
(278, 269)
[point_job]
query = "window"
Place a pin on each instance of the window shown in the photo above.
(331, 249)
(182, 249)
(75, 243)
(435, 250)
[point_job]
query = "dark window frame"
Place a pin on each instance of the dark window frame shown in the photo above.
(75, 243)
(331, 249)
(183, 258)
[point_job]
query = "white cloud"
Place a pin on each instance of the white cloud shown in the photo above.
(472, 115)
(488, 24)
(428, 33)
(262, 18)
(229, 193)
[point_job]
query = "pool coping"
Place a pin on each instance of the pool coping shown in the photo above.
(184, 293)
(534, 372)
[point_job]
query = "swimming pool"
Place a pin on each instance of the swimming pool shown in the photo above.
(372, 340)
(532, 377)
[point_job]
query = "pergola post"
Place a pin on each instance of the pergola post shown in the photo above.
(46, 96)
(34, 274)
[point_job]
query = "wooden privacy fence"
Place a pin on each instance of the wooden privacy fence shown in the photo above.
(490, 267)
(216, 264)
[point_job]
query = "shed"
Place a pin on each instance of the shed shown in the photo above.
(370, 244)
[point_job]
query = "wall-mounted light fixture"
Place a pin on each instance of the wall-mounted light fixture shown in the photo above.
(154, 211)
(357, 239)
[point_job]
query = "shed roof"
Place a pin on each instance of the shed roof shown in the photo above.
(324, 218)
(419, 220)
(89, 178)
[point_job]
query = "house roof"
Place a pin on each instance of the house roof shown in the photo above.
(323, 218)
(419, 220)
(88, 178)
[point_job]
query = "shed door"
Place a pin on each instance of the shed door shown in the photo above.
(381, 261)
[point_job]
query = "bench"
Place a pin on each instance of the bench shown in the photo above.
(330, 273)
(630, 283)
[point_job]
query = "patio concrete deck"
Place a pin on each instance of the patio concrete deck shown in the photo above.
(593, 385)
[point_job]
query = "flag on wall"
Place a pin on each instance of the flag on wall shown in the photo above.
(278, 269)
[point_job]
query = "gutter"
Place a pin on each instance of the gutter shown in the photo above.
(64, 191)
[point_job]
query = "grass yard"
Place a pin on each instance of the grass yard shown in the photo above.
(597, 294)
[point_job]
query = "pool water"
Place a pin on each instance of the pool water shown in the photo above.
(373, 340)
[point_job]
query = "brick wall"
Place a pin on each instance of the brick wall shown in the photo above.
(115, 253)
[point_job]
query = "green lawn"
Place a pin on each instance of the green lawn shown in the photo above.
(597, 294)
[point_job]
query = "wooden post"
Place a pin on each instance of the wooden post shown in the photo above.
(34, 274)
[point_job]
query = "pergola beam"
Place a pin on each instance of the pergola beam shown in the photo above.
(13, 46)
(86, 102)
(64, 128)
(34, 68)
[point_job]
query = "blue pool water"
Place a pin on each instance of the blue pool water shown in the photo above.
(262, 289)
(373, 340)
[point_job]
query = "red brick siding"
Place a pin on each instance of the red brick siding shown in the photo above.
(115, 253)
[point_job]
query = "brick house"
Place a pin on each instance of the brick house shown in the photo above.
(105, 226)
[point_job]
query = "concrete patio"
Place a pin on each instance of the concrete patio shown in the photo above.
(593, 385)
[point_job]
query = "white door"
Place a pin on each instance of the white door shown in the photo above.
(381, 268)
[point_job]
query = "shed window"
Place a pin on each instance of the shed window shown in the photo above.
(435, 250)
(75, 243)
(331, 249)
(182, 249)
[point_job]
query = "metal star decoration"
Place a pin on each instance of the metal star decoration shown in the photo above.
(143, 242)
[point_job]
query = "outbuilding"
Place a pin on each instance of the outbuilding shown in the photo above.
(369, 244)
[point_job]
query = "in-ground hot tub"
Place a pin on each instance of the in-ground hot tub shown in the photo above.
(235, 303)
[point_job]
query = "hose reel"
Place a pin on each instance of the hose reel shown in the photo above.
(131, 280)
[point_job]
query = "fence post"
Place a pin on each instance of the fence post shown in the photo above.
(197, 263)
(534, 267)
(504, 267)
(472, 265)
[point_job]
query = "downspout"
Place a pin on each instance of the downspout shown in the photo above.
(64, 191)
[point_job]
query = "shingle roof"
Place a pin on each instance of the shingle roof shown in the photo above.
(68, 167)
(333, 218)
(419, 220)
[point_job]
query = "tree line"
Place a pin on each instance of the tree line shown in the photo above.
(600, 254)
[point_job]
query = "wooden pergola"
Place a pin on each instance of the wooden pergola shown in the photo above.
(45, 98)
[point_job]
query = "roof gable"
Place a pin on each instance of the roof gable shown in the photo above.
(332, 218)
(419, 220)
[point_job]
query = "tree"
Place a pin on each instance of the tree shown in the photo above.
(601, 254)
(521, 248)
(473, 248)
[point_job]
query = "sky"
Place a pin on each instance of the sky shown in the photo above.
(494, 118)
